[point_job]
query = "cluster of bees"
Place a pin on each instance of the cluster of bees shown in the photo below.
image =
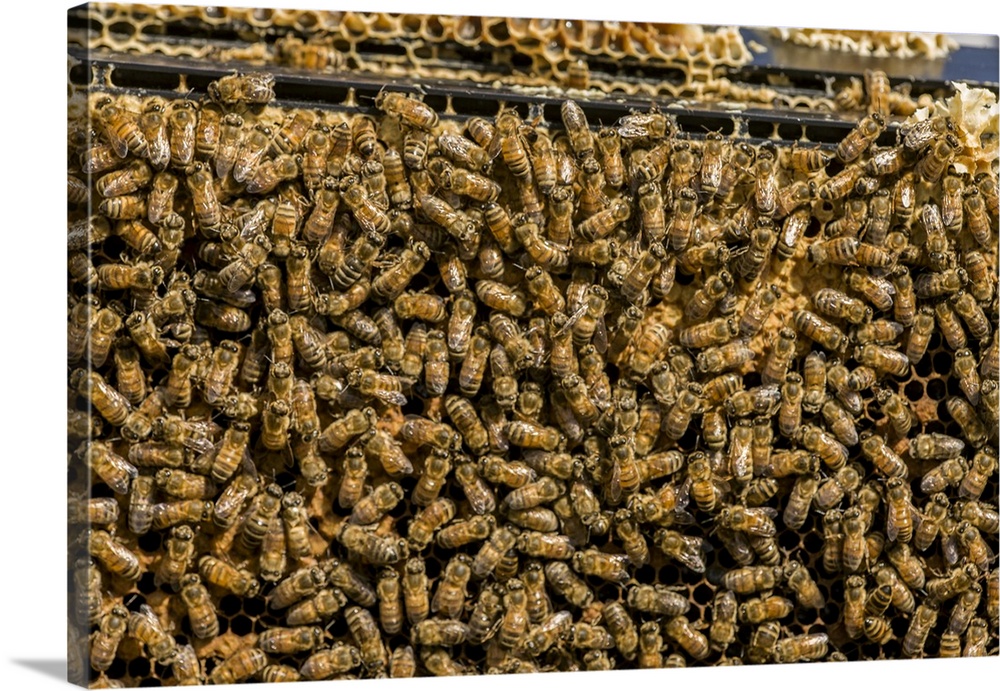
(440, 396)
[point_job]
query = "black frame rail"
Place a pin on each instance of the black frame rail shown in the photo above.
(161, 75)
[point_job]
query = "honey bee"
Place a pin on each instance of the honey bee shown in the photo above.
(444, 632)
(687, 637)
(146, 628)
(682, 548)
(112, 628)
(201, 611)
(366, 634)
(114, 470)
(439, 663)
(510, 142)
(681, 226)
(973, 428)
(241, 665)
(981, 468)
(409, 110)
(586, 636)
(374, 505)
(329, 662)
(981, 516)
(977, 638)
(548, 632)
(121, 129)
(251, 88)
(854, 606)
(763, 642)
(575, 122)
(751, 579)
(899, 516)
(568, 584)
(923, 620)
(810, 646)
(370, 546)
(650, 646)
(800, 499)
(610, 567)
(908, 566)
(303, 583)
(226, 576)
(977, 219)
(859, 139)
(757, 610)
(939, 283)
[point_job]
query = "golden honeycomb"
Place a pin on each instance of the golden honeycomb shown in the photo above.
(612, 295)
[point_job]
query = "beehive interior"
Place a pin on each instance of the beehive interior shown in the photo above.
(116, 240)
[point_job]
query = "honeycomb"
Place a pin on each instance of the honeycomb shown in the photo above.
(637, 370)
(899, 44)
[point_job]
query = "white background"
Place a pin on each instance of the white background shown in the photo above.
(32, 333)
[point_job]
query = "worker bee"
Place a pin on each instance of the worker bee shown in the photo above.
(939, 283)
(366, 634)
(374, 505)
(859, 139)
(923, 620)
(241, 665)
(183, 132)
(934, 515)
(170, 514)
(329, 662)
(685, 549)
(981, 468)
(935, 446)
(977, 638)
(973, 428)
(121, 129)
(885, 460)
(568, 584)
(854, 606)
(972, 314)
(145, 627)
(111, 630)
(650, 646)
(251, 88)
(303, 583)
(226, 576)
(763, 642)
(751, 579)
(728, 356)
(757, 610)
(610, 567)
(800, 499)
(900, 510)
(687, 637)
(201, 612)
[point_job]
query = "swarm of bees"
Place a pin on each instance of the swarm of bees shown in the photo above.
(389, 394)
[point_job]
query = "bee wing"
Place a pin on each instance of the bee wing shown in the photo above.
(124, 466)
(203, 462)
(391, 397)
(891, 525)
(929, 483)
(949, 548)
(117, 143)
(684, 494)
(614, 487)
(682, 517)
(692, 559)
(199, 444)
(601, 337)
(573, 319)
(248, 466)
